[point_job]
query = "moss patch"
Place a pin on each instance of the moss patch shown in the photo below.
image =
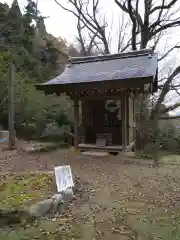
(20, 191)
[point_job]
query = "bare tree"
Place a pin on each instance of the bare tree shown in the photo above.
(86, 45)
(93, 22)
(158, 17)
(92, 27)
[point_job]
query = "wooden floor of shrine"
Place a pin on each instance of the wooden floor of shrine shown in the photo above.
(110, 148)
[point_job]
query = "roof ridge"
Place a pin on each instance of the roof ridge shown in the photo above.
(137, 53)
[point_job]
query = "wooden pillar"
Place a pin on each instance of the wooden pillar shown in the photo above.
(76, 123)
(124, 123)
(131, 120)
(84, 119)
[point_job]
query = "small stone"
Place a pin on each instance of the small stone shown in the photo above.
(41, 208)
(115, 230)
(57, 200)
(30, 149)
(68, 194)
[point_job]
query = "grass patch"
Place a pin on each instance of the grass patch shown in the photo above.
(46, 147)
(19, 192)
(163, 226)
(159, 223)
(163, 156)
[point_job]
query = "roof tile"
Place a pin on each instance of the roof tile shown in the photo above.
(138, 64)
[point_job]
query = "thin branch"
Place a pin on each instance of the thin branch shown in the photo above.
(66, 9)
(83, 18)
(175, 89)
(90, 21)
(80, 38)
(128, 44)
(163, 6)
(122, 36)
(170, 108)
(158, 20)
(156, 41)
(164, 91)
(125, 9)
(172, 87)
(169, 51)
(164, 27)
(91, 44)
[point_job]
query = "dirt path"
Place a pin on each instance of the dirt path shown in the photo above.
(119, 195)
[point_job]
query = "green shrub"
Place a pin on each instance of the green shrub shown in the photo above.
(53, 132)
(161, 139)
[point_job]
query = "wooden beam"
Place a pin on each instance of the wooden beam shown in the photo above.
(135, 83)
(76, 123)
(101, 97)
(124, 123)
(131, 120)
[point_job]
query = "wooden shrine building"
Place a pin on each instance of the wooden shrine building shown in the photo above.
(103, 89)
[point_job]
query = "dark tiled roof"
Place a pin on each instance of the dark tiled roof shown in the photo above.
(136, 64)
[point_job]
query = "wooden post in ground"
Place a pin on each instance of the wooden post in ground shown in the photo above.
(124, 123)
(11, 106)
(76, 123)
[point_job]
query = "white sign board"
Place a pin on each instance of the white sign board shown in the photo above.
(63, 177)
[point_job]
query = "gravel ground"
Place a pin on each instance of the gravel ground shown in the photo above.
(121, 193)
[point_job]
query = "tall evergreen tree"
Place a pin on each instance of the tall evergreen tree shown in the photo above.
(14, 29)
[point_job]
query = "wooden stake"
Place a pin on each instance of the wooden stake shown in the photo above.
(11, 110)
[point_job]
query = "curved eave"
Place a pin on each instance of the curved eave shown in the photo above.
(117, 83)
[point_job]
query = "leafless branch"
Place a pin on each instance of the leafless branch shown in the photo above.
(123, 44)
(170, 108)
(163, 6)
(164, 91)
(128, 44)
(125, 9)
(91, 44)
(164, 18)
(169, 51)
(80, 37)
(156, 41)
(175, 88)
(172, 87)
(134, 25)
(164, 27)
(90, 21)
